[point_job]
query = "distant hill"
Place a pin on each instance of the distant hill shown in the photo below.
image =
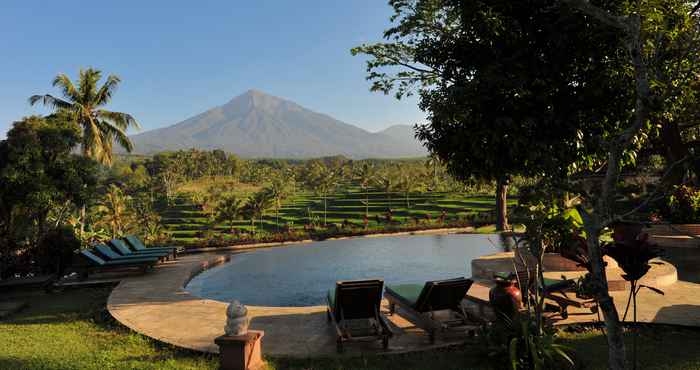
(257, 125)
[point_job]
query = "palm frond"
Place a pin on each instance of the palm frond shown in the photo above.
(51, 101)
(88, 84)
(113, 133)
(63, 82)
(118, 119)
(104, 94)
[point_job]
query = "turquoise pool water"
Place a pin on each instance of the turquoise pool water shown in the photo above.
(300, 275)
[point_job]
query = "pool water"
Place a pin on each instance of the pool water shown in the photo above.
(301, 275)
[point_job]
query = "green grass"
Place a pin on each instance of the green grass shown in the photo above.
(187, 223)
(70, 330)
(65, 331)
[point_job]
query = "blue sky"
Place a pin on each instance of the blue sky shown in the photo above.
(179, 58)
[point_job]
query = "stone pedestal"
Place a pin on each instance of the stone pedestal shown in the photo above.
(241, 352)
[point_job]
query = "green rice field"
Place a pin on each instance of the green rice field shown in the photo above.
(187, 222)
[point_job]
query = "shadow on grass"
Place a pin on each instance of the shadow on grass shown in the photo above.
(659, 347)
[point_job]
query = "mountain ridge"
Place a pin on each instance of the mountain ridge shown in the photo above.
(258, 125)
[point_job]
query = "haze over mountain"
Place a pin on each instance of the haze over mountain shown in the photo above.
(257, 125)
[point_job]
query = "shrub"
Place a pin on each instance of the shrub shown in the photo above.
(55, 250)
(683, 205)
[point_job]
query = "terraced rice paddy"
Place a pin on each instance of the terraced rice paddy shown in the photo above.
(187, 222)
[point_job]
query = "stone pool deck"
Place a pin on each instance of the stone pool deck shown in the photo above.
(156, 305)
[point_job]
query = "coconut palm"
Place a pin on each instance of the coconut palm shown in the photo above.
(410, 180)
(84, 101)
(278, 190)
(433, 164)
(365, 175)
(114, 211)
(325, 182)
(386, 181)
(229, 210)
(256, 206)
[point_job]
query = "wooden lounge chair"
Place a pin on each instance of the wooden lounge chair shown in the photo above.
(122, 249)
(108, 254)
(136, 244)
(95, 263)
(555, 290)
(420, 302)
(353, 308)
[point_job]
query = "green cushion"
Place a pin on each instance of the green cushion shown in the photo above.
(557, 284)
(409, 292)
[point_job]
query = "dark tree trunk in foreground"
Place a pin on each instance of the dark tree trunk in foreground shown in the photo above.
(502, 205)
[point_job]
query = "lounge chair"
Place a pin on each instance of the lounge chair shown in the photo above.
(420, 302)
(136, 244)
(554, 290)
(353, 308)
(122, 249)
(108, 254)
(96, 263)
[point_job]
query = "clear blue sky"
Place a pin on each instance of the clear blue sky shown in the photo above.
(179, 58)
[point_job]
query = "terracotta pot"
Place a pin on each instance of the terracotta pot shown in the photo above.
(505, 297)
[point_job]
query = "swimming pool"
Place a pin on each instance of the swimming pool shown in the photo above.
(301, 275)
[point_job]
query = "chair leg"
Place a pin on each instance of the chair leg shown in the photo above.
(385, 342)
(339, 346)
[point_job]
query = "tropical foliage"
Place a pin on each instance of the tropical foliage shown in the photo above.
(83, 102)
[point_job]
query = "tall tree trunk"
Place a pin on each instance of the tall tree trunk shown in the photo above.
(366, 202)
(502, 204)
(615, 336)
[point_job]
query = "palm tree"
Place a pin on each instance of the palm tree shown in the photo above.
(410, 181)
(84, 102)
(433, 163)
(386, 181)
(365, 175)
(229, 210)
(256, 206)
(114, 211)
(325, 182)
(277, 192)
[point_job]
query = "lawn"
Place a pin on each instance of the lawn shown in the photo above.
(187, 222)
(71, 330)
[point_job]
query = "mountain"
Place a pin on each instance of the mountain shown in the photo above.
(257, 125)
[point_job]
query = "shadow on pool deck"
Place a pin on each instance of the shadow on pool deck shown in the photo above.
(687, 262)
(157, 305)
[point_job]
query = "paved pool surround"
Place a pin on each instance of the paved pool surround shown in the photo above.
(157, 305)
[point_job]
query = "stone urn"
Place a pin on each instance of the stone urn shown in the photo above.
(237, 320)
(505, 296)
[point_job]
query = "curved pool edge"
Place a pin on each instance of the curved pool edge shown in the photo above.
(255, 246)
(157, 305)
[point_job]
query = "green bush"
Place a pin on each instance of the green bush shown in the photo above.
(683, 205)
(55, 250)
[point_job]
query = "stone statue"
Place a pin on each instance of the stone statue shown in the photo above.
(237, 320)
